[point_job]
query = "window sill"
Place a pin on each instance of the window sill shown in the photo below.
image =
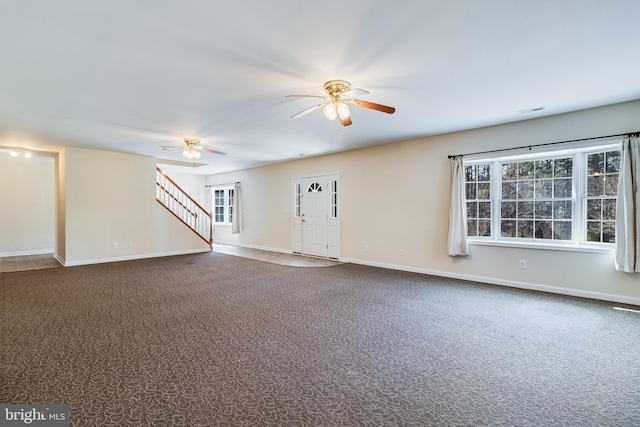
(545, 246)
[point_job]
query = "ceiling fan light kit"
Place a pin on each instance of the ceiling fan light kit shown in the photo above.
(343, 111)
(330, 111)
(192, 151)
(336, 104)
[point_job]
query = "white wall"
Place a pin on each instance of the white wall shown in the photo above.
(396, 197)
(27, 204)
(109, 198)
(194, 185)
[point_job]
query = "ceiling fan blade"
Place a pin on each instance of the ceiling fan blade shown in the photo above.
(209, 150)
(306, 96)
(346, 121)
(170, 150)
(355, 92)
(307, 111)
(373, 106)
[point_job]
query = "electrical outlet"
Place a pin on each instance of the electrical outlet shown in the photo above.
(522, 265)
(401, 252)
(366, 248)
(115, 246)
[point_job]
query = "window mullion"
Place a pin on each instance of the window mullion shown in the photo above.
(496, 199)
(579, 199)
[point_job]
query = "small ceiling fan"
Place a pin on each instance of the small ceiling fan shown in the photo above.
(336, 104)
(192, 150)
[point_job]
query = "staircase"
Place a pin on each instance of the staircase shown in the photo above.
(184, 207)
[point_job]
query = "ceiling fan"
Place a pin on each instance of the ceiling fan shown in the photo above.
(336, 104)
(192, 150)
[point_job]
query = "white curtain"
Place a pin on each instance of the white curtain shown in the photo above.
(458, 211)
(235, 220)
(627, 212)
(209, 198)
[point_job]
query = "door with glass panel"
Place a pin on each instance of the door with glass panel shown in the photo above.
(314, 215)
(315, 219)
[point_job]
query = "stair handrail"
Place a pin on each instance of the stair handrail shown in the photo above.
(184, 207)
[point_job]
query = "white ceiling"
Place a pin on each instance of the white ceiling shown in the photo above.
(130, 76)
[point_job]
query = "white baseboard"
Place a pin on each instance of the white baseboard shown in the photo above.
(128, 258)
(501, 282)
(60, 260)
(27, 253)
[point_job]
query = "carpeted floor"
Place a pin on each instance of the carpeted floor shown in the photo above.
(219, 340)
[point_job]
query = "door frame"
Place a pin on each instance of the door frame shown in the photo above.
(332, 191)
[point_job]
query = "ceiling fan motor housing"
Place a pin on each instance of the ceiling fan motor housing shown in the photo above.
(335, 88)
(191, 142)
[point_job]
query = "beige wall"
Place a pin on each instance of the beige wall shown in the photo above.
(396, 197)
(194, 185)
(109, 198)
(27, 204)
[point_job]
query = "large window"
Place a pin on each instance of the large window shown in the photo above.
(223, 205)
(536, 200)
(562, 198)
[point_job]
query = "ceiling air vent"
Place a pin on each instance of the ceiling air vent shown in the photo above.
(531, 110)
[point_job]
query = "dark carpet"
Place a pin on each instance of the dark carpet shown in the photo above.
(218, 340)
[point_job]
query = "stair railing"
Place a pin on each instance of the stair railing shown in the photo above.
(184, 207)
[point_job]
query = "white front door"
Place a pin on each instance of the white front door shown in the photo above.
(314, 216)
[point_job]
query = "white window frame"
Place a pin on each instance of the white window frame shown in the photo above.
(227, 206)
(297, 200)
(333, 198)
(579, 197)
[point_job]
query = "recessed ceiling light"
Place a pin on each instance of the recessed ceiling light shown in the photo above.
(13, 153)
(27, 155)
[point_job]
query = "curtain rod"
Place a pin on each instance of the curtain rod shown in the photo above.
(452, 156)
(222, 185)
